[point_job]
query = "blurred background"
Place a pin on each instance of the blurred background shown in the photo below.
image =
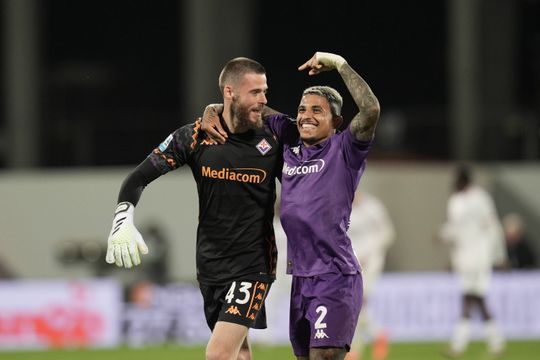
(89, 88)
(88, 79)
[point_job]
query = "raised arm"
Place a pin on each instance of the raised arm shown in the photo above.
(363, 124)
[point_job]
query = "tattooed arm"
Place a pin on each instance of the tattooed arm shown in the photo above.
(364, 123)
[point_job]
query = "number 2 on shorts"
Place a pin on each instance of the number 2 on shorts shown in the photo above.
(319, 324)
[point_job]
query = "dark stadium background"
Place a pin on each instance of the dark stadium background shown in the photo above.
(112, 73)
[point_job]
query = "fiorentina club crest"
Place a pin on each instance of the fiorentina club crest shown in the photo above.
(263, 146)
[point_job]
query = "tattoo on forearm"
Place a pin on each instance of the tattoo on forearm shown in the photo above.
(363, 124)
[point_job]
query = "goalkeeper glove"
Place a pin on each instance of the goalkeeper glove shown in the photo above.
(125, 241)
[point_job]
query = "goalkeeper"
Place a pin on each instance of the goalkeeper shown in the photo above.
(236, 251)
(321, 171)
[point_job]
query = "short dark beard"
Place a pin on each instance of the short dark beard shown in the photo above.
(240, 116)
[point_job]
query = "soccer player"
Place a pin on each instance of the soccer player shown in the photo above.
(235, 252)
(321, 171)
(475, 234)
(371, 232)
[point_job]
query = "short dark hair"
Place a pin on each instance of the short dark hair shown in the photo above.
(236, 68)
(332, 95)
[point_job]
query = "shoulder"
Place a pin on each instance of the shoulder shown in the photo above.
(188, 129)
(481, 194)
(455, 199)
(190, 136)
(181, 133)
(283, 126)
(279, 117)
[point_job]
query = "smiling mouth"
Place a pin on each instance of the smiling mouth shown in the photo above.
(307, 126)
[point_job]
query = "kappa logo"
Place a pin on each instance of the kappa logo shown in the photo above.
(263, 146)
(233, 310)
(320, 334)
(296, 150)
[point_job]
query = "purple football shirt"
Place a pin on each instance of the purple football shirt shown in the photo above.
(317, 189)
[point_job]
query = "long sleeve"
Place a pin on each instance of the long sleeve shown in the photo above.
(134, 184)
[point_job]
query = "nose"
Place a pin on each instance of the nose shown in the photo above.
(307, 114)
(262, 98)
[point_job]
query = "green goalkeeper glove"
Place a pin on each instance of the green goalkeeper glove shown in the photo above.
(125, 241)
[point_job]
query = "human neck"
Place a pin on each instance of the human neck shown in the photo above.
(313, 143)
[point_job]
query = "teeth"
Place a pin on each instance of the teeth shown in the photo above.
(308, 126)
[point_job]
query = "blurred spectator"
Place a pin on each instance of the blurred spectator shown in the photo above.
(520, 253)
(5, 271)
(371, 232)
(475, 235)
(157, 263)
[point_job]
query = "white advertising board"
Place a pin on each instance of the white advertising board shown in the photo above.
(426, 306)
(410, 306)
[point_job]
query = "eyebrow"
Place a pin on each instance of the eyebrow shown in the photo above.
(259, 90)
(312, 106)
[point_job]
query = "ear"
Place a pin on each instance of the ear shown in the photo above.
(337, 121)
(228, 92)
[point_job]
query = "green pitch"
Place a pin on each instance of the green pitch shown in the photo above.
(522, 350)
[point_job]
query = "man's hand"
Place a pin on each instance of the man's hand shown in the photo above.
(322, 61)
(125, 241)
(211, 125)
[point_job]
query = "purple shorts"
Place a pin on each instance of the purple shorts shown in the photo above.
(324, 311)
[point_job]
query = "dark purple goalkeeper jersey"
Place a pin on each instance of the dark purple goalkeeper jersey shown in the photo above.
(317, 189)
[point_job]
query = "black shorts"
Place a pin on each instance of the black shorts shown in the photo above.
(240, 302)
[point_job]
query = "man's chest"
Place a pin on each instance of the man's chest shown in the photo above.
(316, 172)
(244, 161)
